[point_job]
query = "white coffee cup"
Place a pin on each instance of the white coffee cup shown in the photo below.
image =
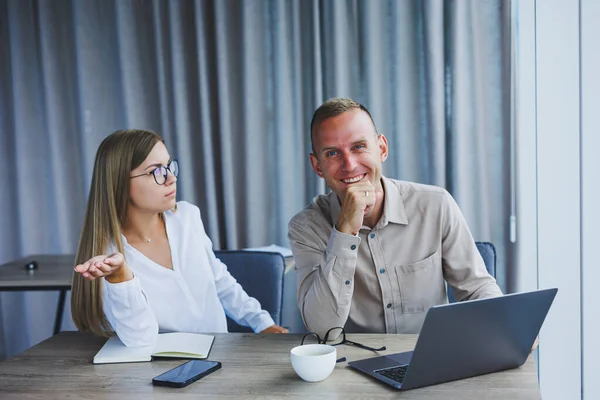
(313, 362)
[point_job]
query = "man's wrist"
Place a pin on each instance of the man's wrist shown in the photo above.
(345, 228)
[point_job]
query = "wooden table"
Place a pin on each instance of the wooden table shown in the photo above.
(54, 272)
(254, 366)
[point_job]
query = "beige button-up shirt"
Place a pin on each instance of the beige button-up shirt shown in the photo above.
(385, 278)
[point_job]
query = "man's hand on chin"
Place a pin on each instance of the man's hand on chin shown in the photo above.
(359, 196)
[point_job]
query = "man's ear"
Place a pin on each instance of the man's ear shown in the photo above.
(314, 162)
(383, 147)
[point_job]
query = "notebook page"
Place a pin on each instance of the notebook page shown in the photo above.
(114, 351)
(184, 345)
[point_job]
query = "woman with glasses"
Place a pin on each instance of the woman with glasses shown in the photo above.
(144, 262)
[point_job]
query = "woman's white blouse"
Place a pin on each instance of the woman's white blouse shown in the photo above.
(193, 297)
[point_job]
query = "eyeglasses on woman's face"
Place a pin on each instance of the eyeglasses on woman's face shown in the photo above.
(161, 173)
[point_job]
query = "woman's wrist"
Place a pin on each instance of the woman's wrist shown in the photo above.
(123, 274)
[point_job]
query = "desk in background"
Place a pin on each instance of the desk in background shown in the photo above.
(54, 272)
(254, 366)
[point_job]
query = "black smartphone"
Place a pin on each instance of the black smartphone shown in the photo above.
(187, 373)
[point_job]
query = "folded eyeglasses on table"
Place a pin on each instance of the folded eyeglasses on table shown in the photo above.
(333, 339)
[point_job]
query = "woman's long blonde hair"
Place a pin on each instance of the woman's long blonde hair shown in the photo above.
(118, 154)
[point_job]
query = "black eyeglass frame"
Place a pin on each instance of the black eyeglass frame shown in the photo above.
(344, 340)
(164, 172)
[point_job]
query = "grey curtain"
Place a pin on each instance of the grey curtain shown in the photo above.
(231, 85)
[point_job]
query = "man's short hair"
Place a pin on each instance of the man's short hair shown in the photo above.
(332, 108)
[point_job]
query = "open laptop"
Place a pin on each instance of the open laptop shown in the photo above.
(465, 339)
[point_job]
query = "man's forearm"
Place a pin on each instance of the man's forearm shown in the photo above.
(489, 288)
(325, 277)
(319, 305)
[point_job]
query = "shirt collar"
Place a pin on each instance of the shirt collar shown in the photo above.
(394, 210)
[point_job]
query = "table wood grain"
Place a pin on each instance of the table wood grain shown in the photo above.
(254, 366)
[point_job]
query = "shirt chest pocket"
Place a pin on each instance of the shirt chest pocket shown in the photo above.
(421, 284)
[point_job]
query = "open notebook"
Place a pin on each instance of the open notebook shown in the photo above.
(175, 344)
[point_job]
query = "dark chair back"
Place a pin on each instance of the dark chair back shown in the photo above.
(261, 276)
(488, 253)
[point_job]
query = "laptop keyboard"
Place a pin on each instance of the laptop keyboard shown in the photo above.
(394, 373)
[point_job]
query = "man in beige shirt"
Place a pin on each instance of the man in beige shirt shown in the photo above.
(374, 254)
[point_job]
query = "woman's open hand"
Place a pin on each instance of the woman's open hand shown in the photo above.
(103, 266)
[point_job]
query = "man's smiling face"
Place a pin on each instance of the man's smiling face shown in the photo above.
(348, 150)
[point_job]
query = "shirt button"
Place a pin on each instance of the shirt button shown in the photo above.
(372, 235)
(389, 305)
(347, 282)
(353, 247)
(382, 271)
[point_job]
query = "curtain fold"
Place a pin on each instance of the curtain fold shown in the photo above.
(231, 85)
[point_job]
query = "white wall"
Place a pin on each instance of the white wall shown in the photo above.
(590, 195)
(525, 120)
(558, 119)
(558, 137)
